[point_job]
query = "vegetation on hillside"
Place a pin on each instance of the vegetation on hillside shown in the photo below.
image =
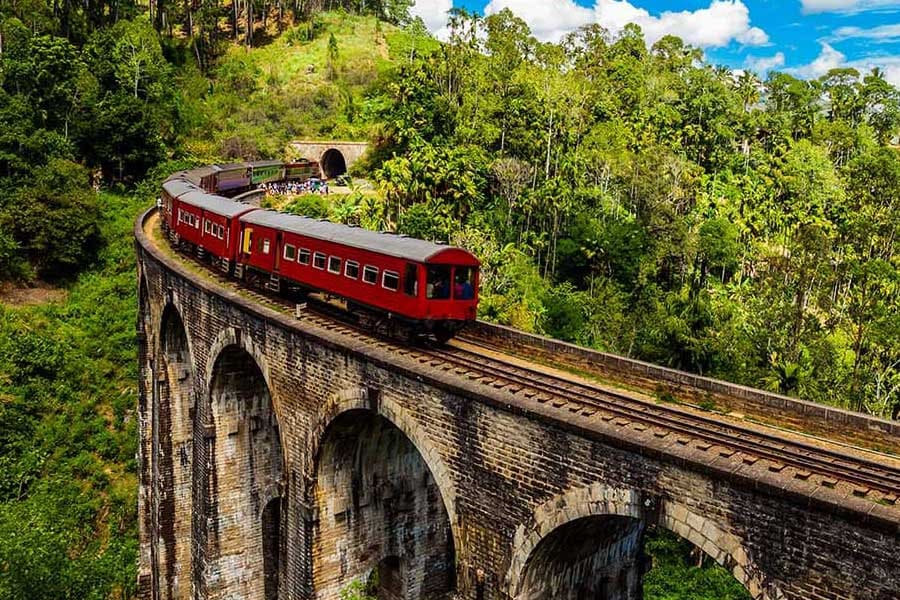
(627, 198)
(68, 430)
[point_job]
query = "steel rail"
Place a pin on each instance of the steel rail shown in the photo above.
(829, 463)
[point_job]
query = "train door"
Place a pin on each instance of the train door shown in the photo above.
(411, 280)
(247, 241)
(278, 244)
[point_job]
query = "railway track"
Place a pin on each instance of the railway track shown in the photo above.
(619, 408)
(624, 409)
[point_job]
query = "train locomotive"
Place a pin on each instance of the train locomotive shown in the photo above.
(406, 285)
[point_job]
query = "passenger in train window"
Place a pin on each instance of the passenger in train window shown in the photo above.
(463, 288)
(438, 284)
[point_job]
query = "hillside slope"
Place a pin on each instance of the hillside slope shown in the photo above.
(317, 80)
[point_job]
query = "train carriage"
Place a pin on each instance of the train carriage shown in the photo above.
(232, 177)
(172, 189)
(266, 171)
(205, 177)
(412, 280)
(211, 224)
(413, 285)
(302, 170)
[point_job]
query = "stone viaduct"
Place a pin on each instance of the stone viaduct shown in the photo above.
(283, 460)
(335, 158)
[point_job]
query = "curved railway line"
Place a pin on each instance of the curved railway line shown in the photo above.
(569, 393)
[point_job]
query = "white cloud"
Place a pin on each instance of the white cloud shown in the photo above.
(882, 33)
(433, 13)
(845, 6)
(763, 64)
(721, 23)
(829, 58)
(549, 20)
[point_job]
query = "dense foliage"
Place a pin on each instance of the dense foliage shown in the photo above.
(68, 431)
(642, 201)
(627, 198)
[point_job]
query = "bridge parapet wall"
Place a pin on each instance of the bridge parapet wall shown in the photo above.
(695, 389)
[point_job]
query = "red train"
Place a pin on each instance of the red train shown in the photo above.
(425, 287)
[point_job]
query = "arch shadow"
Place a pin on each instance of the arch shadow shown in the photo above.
(379, 499)
(600, 500)
(242, 473)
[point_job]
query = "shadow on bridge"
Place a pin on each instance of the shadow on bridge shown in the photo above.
(381, 515)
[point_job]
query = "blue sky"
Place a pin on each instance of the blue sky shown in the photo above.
(803, 37)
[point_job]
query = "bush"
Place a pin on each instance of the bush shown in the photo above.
(55, 220)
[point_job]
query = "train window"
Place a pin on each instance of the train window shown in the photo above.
(463, 283)
(221, 232)
(264, 245)
(319, 260)
(370, 274)
(411, 280)
(334, 265)
(303, 256)
(351, 269)
(196, 223)
(205, 225)
(289, 252)
(390, 281)
(437, 286)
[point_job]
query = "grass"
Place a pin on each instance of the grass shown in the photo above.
(264, 97)
(676, 574)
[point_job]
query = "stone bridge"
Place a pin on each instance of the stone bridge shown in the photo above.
(283, 460)
(334, 157)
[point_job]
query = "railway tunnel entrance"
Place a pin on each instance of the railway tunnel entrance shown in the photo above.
(242, 483)
(333, 163)
(382, 519)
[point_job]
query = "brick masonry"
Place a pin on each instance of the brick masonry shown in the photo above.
(310, 459)
(350, 152)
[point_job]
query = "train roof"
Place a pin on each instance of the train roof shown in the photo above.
(178, 187)
(390, 244)
(266, 163)
(230, 166)
(215, 204)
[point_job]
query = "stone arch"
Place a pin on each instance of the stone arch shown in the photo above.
(243, 474)
(362, 398)
(232, 336)
(333, 163)
(600, 500)
(377, 498)
(173, 456)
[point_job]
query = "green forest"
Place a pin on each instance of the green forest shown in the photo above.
(633, 199)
